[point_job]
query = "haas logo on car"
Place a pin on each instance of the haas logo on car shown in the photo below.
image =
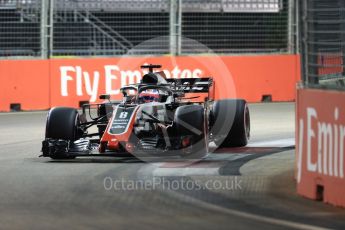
(77, 81)
(321, 143)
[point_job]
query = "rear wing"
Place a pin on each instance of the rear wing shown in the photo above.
(193, 86)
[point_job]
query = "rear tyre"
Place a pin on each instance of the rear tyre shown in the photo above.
(62, 123)
(189, 121)
(231, 120)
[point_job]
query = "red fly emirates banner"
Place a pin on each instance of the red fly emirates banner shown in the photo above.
(321, 145)
(41, 84)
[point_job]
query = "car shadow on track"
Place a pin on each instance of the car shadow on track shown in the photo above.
(97, 160)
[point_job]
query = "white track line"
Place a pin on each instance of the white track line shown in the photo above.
(281, 143)
(227, 156)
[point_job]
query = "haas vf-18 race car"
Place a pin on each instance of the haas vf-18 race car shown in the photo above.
(156, 117)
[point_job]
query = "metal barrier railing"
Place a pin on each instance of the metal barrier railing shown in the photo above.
(323, 43)
(50, 28)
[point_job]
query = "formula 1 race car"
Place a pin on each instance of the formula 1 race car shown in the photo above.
(157, 117)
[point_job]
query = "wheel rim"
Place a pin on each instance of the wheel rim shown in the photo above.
(247, 122)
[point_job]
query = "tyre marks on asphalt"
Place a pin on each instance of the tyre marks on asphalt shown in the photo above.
(225, 161)
(233, 167)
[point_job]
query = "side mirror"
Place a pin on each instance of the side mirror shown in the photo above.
(104, 97)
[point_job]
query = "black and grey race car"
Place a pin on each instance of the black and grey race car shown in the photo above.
(157, 117)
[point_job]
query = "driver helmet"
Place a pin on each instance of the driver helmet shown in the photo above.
(150, 95)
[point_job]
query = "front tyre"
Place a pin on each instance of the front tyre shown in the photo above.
(62, 124)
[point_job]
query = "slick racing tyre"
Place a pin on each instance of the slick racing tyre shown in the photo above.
(62, 123)
(230, 123)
